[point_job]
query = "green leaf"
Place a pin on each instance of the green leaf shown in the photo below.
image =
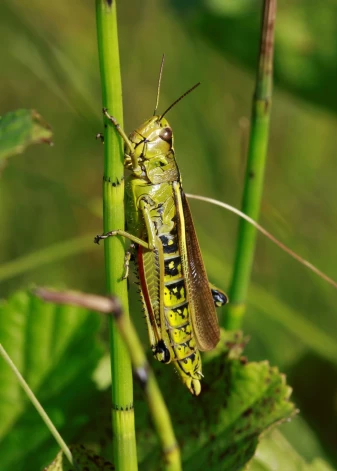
(220, 429)
(54, 348)
(276, 454)
(19, 129)
(86, 460)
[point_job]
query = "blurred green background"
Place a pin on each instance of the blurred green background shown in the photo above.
(52, 195)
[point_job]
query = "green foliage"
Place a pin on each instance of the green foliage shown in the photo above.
(306, 52)
(297, 324)
(86, 460)
(52, 253)
(20, 129)
(220, 429)
(239, 399)
(54, 348)
(276, 454)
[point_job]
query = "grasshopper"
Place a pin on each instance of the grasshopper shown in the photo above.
(179, 302)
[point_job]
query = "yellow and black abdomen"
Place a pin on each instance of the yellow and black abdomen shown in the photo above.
(176, 309)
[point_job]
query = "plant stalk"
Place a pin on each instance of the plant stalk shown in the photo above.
(159, 412)
(257, 153)
(33, 399)
(124, 441)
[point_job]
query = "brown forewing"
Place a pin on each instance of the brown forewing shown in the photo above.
(203, 315)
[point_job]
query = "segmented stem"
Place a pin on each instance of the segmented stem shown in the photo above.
(160, 415)
(257, 153)
(124, 442)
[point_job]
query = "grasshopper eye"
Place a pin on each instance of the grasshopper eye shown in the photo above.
(166, 134)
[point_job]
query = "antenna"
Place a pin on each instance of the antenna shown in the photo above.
(180, 98)
(159, 83)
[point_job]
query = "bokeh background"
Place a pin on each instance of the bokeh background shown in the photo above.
(52, 195)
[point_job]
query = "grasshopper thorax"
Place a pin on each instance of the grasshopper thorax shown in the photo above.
(153, 149)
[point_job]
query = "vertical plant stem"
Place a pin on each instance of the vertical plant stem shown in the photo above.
(257, 153)
(124, 441)
(160, 415)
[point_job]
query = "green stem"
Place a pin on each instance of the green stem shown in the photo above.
(160, 415)
(39, 408)
(257, 153)
(124, 442)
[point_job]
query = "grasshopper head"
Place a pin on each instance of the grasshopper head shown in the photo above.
(152, 139)
(153, 145)
(153, 149)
